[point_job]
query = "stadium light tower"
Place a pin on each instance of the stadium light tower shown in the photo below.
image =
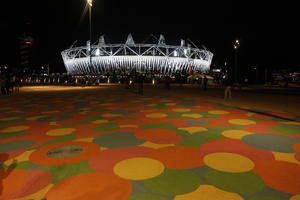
(236, 46)
(90, 3)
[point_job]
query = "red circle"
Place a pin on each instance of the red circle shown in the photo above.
(297, 147)
(18, 183)
(283, 176)
(94, 185)
(159, 136)
(178, 157)
(104, 161)
(297, 156)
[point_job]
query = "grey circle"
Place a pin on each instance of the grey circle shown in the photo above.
(65, 151)
(271, 142)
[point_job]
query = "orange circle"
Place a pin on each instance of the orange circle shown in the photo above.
(93, 185)
(178, 157)
(280, 175)
(40, 156)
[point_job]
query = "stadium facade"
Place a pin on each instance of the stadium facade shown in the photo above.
(160, 58)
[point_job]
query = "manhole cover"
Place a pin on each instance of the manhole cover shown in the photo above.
(65, 151)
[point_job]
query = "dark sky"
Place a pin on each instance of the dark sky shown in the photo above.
(267, 31)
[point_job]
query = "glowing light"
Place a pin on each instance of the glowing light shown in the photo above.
(90, 2)
(28, 43)
(97, 53)
(153, 81)
(185, 51)
(175, 53)
(108, 81)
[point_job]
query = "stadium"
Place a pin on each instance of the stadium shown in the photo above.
(128, 57)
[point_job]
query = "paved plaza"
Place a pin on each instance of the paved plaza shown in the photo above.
(110, 143)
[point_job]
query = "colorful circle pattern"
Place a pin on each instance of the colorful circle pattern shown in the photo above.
(98, 146)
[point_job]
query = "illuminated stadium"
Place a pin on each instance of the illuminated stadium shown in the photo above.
(160, 58)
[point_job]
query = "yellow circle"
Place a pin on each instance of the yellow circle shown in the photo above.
(138, 168)
(235, 134)
(156, 115)
(295, 197)
(9, 118)
(218, 112)
(193, 130)
(170, 104)
(228, 162)
(181, 110)
(195, 116)
(14, 129)
(152, 104)
(209, 192)
(60, 131)
(99, 121)
(241, 121)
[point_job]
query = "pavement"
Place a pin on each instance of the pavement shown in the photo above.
(108, 142)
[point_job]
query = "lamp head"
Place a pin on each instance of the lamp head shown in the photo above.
(90, 2)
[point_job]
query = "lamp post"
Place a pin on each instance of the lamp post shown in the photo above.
(236, 47)
(90, 3)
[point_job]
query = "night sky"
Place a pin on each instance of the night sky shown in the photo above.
(267, 31)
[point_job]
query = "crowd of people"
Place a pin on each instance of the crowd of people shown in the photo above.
(9, 84)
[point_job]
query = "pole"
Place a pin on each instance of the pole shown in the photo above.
(236, 65)
(90, 24)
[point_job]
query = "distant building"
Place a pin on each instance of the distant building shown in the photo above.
(26, 59)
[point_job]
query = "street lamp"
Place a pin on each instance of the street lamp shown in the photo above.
(236, 47)
(90, 3)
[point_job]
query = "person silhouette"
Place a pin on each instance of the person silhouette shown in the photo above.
(205, 80)
(228, 85)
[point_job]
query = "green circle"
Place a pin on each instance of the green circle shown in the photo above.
(242, 183)
(286, 129)
(173, 182)
(264, 198)
(118, 140)
(198, 122)
(146, 197)
(16, 145)
(271, 142)
(54, 118)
